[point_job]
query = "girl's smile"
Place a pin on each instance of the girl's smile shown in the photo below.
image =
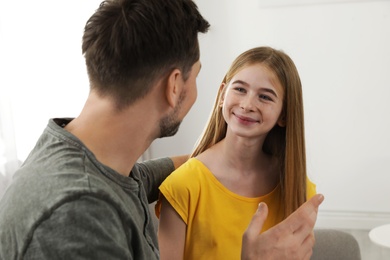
(246, 120)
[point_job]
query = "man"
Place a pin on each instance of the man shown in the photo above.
(80, 194)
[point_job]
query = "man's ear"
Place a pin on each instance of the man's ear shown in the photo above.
(174, 87)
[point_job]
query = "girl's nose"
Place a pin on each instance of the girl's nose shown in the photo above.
(247, 104)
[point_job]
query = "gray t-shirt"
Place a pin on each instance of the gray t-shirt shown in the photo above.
(64, 204)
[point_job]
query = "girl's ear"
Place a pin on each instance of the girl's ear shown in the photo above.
(282, 120)
(173, 87)
(222, 91)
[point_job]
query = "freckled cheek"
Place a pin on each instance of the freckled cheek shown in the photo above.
(275, 114)
(230, 100)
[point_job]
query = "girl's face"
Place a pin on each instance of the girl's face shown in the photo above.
(253, 102)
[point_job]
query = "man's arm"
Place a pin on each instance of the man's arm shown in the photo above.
(291, 239)
(179, 160)
(153, 172)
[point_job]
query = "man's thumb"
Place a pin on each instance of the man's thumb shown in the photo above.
(257, 221)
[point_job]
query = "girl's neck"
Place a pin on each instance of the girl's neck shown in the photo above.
(242, 154)
(241, 166)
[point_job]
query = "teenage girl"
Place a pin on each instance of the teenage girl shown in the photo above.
(252, 151)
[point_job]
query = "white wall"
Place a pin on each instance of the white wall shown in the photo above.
(42, 68)
(341, 51)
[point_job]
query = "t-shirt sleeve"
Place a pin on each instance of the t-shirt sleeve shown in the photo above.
(181, 190)
(87, 228)
(311, 189)
(152, 173)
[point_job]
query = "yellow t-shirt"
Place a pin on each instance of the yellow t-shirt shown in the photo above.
(216, 218)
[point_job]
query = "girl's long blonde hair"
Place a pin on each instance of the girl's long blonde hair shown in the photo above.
(285, 144)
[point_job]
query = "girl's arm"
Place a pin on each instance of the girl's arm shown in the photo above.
(171, 233)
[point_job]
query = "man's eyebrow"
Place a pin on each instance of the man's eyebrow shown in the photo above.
(271, 91)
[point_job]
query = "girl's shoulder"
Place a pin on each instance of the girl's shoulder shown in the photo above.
(209, 157)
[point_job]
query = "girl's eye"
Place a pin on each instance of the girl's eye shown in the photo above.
(265, 97)
(240, 89)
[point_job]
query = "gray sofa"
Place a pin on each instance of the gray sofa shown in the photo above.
(335, 245)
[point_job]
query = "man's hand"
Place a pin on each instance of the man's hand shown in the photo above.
(291, 239)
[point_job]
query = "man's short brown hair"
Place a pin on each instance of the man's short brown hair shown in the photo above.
(129, 44)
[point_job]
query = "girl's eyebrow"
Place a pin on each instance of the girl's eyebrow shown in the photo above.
(268, 90)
